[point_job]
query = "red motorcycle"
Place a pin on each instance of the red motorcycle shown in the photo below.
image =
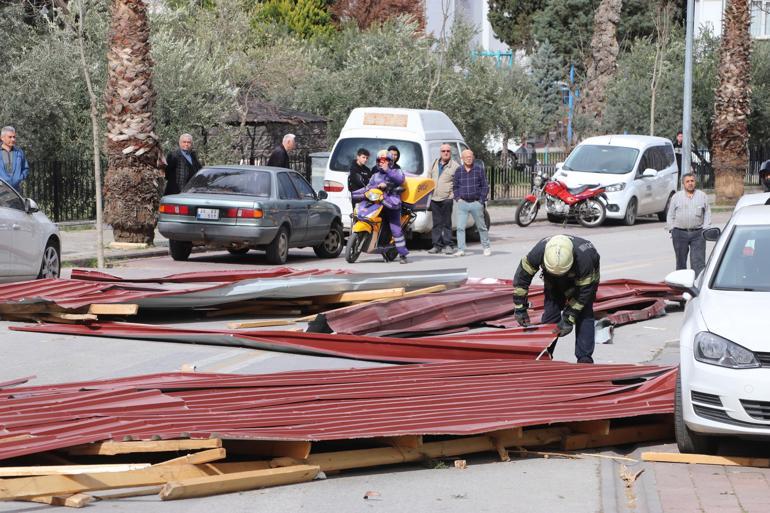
(586, 203)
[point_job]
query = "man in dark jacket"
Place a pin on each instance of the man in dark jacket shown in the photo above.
(571, 278)
(280, 155)
(764, 175)
(395, 154)
(181, 164)
(359, 174)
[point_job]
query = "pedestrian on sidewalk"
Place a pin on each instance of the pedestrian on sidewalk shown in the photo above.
(181, 164)
(280, 155)
(358, 174)
(688, 214)
(470, 190)
(570, 280)
(13, 163)
(443, 173)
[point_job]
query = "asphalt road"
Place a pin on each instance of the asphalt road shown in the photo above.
(551, 485)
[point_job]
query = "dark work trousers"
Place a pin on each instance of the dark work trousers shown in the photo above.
(584, 327)
(689, 242)
(442, 223)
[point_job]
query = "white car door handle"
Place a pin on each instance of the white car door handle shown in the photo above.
(16, 226)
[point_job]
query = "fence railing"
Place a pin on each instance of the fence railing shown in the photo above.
(64, 190)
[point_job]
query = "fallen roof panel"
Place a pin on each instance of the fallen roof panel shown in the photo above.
(518, 343)
(203, 276)
(459, 398)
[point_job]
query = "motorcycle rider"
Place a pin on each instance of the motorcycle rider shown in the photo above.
(388, 178)
(571, 278)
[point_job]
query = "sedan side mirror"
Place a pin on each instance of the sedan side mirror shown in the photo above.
(712, 234)
(649, 173)
(30, 206)
(322, 195)
(684, 280)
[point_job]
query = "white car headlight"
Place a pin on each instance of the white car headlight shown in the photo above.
(715, 350)
(616, 187)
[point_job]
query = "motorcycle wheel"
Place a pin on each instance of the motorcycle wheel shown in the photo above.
(591, 213)
(356, 243)
(526, 212)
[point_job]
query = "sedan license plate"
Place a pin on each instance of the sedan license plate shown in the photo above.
(208, 213)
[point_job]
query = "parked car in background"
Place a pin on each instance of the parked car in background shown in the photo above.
(639, 173)
(239, 208)
(724, 373)
(760, 198)
(29, 242)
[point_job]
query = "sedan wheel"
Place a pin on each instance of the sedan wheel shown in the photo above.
(331, 247)
(51, 264)
(278, 250)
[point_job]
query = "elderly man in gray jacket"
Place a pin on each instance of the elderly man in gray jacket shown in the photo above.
(443, 173)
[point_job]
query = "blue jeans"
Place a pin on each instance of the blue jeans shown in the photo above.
(475, 209)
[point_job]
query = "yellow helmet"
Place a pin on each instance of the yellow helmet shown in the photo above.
(558, 255)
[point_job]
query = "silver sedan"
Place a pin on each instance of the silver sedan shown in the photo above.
(239, 208)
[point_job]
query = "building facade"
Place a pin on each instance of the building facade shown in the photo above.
(708, 16)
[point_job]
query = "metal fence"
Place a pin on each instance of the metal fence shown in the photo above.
(704, 170)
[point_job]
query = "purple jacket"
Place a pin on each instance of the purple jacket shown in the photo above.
(393, 177)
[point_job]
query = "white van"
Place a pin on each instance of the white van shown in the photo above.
(418, 134)
(639, 173)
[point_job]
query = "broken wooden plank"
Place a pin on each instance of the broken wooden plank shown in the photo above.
(113, 309)
(619, 436)
(141, 492)
(111, 448)
(259, 324)
(307, 318)
(240, 481)
(410, 441)
(198, 457)
(359, 295)
(46, 470)
(77, 500)
(704, 459)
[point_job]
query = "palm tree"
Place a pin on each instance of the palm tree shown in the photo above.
(133, 182)
(732, 103)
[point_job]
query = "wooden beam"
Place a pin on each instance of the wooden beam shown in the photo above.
(703, 459)
(619, 436)
(359, 295)
(259, 324)
(197, 458)
(67, 318)
(426, 290)
(253, 310)
(307, 318)
(113, 309)
(151, 490)
(112, 448)
(240, 481)
(409, 441)
(46, 470)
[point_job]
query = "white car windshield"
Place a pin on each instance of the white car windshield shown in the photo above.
(745, 262)
(591, 158)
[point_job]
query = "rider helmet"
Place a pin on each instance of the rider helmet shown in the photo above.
(558, 258)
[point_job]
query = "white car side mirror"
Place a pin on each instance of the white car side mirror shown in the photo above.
(649, 173)
(30, 206)
(684, 280)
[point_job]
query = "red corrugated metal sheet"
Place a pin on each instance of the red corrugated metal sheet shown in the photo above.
(436, 399)
(517, 343)
(478, 303)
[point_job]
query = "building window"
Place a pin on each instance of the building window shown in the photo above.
(760, 18)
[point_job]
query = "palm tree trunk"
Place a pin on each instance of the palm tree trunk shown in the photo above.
(732, 104)
(133, 183)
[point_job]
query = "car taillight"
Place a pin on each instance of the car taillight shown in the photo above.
(247, 213)
(180, 210)
(332, 186)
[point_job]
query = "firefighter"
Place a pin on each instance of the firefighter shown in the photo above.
(570, 272)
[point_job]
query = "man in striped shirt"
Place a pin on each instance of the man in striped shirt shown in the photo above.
(688, 214)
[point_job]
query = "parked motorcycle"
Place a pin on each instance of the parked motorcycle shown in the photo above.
(587, 203)
(369, 234)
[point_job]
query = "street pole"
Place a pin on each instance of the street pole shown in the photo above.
(687, 103)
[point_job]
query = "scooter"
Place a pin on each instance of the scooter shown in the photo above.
(368, 232)
(586, 203)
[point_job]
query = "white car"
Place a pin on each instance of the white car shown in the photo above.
(761, 198)
(639, 173)
(29, 242)
(724, 373)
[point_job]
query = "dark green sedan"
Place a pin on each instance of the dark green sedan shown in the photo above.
(239, 208)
